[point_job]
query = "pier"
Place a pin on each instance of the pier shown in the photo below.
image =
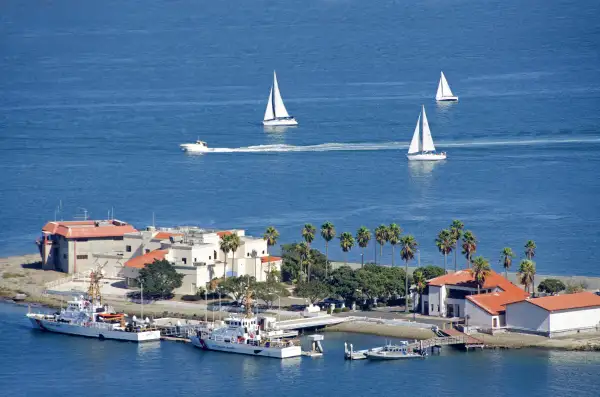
(311, 322)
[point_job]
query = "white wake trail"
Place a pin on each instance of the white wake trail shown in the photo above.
(335, 147)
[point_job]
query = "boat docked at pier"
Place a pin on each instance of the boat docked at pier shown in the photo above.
(276, 114)
(392, 352)
(444, 93)
(89, 317)
(421, 146)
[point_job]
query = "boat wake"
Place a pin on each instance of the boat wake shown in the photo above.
(335, 147)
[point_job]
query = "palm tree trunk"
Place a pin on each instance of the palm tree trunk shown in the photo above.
(346, 258)
(445, 263)
(225, 267)
(455, 269)
(308, 263)
(393, 255)
(232, 260)
(326, 257)
(478, 291)
(406, 287)
(380, 252)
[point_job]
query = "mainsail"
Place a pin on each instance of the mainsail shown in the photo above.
(269, 112)
(443, 90)
(416, 141)
(427, 139)
(278, 106)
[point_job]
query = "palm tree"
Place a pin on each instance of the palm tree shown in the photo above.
(469, 246)
(420, 283)
(303, 251)
(409, 247)
(328, 234)
(456, 229)
(363, 236)
(530, 249)
(444, 243)
(526, 273)
(308, 234)
(234, 244)
(506, 259)
(481, 270)
(225, 246)
(271, 236)
(394, 233)
(381, 236)
(346, 243)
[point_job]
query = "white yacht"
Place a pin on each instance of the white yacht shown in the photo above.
(276, 114)
(249, 335)
(197, 147)
(421, 146)
(392, 352)
(444, 93)
(89, 317)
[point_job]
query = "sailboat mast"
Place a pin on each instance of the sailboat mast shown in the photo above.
(422, 135)
(273, 94)
(442, 83)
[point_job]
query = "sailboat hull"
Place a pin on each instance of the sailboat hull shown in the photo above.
(427, 156)
(447, 99)
(280, 122)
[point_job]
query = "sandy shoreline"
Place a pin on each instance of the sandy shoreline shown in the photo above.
(23, 275)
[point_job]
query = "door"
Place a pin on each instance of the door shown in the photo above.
(495, 322)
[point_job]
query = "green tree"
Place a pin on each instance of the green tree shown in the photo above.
(506, 259)
(270, 291)
(308, 234)
(409, 248)
(160, 279)
(237, 286)
(346, 244)
(363, 236)
(271, 236)
(526, 274)
(343, 283)
(469, 246)
(381, 236)
(456, 231)
(551, 286)
(394, 232)
(370, 283)
(225, 247)
(328, 234)
(303, 251)
(234, 244)
(420, 283)
(444, 244)
(574, 287)
(481, 271)
(314, 290)
(430, 272)
(530, 249)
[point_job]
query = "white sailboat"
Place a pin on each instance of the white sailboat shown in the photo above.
(422, 147)
(444, 93)
(276, 114)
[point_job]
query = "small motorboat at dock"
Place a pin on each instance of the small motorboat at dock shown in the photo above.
(393, 352)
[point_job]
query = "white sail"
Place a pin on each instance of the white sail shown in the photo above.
(427, 139)
(444, 90)
(416, 140)
(269, 114)
(279, 107)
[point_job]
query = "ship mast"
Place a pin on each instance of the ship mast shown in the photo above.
(94, 294)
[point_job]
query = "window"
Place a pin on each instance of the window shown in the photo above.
(438, 307)
(432, 307)
(82, 256)
(64, 256)
(209, 258)
(184, 260)
(248, 254)
(147, 250)
(263, 252)
(128, 248)
(118, 238)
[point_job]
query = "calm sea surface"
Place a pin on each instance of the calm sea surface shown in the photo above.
(33, 363)
(95, 98)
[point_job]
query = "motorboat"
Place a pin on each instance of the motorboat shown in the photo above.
(392, 352)
(197, 147)
(276, 114)
(421, 146)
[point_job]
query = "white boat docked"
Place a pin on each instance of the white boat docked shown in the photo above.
(276, 114)
(444, 93)
(197, 147)
(421, 146)
(392, 352)
(89, 317)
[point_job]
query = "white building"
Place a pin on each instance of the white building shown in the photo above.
(446, 296)
(555, 315)
(488, 311)
(195, 253)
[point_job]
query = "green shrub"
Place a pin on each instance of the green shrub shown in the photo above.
(337, 310)
(345, 309)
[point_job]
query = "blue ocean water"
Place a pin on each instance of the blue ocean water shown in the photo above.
(96, 97)
(37, 363)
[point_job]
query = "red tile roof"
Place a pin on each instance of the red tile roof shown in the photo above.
(495, 303)
(266, 259)
(88, 229)
(224, 233)
(567, 301)
(165, 235)
(140, 262)
(465, 278)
